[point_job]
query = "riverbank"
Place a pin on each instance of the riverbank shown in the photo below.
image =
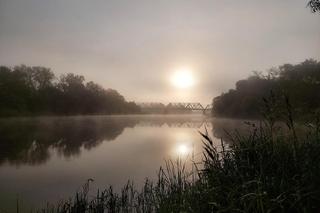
(268, 170)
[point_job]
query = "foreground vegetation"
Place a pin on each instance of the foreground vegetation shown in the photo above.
(273, 169)
(28, 90)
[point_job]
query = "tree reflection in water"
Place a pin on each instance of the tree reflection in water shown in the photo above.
(31, 140)
(28, 141)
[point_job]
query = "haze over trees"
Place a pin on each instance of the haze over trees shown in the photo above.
(28, 90)
(300, 83)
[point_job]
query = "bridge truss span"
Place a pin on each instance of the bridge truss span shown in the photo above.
(173, 106)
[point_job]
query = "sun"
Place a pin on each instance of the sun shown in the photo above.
(182, 78)
(182, 149)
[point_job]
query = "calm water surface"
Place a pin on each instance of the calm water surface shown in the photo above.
(49, 158)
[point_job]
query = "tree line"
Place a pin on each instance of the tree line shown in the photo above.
(299, 83)
(26, 90)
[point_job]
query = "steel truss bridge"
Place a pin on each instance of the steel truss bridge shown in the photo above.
(175, 106)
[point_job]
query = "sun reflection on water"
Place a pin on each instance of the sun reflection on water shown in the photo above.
(183, 149)
(183, 146)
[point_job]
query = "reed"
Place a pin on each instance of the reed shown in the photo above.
(269, 170)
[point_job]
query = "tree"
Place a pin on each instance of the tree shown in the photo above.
(314, 5)
(43, 77)
(299, 82)
(33, 90)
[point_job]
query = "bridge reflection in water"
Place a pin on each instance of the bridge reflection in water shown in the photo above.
(177, 124)
(174, 107)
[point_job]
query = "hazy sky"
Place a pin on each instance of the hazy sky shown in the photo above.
(134, 46)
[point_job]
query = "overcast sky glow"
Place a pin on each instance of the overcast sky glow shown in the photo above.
(134, 46)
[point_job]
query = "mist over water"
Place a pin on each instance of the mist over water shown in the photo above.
(49, 158)
(143, 102)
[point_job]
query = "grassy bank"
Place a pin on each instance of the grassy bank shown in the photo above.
(270, 170)
(275, 168)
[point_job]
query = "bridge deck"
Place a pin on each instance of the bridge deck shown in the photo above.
(191, 106)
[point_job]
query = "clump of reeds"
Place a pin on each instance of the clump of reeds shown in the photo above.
(267, 171)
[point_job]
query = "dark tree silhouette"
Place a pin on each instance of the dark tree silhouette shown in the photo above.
(35, 90)
(300, 83)
(314, 5)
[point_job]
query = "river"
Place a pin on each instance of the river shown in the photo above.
(46, 159)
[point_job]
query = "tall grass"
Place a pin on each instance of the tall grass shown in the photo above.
(269, 170)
